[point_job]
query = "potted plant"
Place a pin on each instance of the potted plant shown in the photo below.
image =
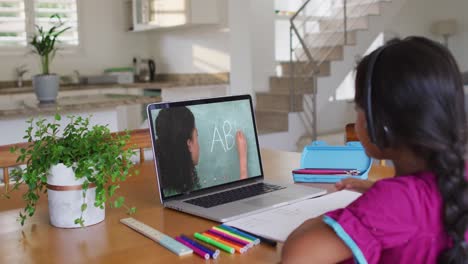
(46, 85)
(80, 170)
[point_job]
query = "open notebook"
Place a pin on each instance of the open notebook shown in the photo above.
(277, 224)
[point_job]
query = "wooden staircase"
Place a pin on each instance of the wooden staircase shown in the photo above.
(274, 106)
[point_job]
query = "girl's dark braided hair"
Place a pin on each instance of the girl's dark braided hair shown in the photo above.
(418, 96)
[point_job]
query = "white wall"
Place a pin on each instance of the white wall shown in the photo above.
(104, 39)
(242, 44)
(417, 16)
(240, 49)
(193, 49)
(262, 26)
(252, 38)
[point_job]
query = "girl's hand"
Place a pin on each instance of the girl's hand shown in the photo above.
(354, 184)
(241, 144)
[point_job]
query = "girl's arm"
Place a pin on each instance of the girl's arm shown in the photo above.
(241, 144)
(354, 184)
(314, 242)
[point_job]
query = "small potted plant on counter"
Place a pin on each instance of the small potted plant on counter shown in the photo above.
(79, 167)
(46, 85)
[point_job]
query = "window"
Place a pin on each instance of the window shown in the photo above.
(67, 10)
(12, 23)
(19, 17)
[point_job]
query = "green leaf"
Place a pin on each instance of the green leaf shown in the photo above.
(44, 41)
(119, 202)
(132, 210)
(85, 185)
(31, 209)
(84, 207)
(112, 188)
(22, 218)
(58, 117)
(13, 149)
(79, 221)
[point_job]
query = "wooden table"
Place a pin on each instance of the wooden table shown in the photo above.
(112, 242)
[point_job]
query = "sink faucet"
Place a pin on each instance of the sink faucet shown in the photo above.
(20, 71)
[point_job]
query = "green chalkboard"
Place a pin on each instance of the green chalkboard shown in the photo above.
(217, 124)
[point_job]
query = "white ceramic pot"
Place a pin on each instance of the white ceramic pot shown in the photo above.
(65, 196)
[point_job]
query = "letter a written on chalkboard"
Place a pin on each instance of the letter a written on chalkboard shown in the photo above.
(216, 132)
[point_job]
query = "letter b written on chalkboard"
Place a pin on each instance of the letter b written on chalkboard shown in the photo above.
(224, 136)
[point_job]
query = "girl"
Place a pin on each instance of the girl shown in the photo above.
(178, 150)
(410, 109)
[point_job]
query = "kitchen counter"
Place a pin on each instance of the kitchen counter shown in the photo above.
(67, 104)
(29, 89)
(165, 81)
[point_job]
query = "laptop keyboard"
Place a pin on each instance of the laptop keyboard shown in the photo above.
(234, 195)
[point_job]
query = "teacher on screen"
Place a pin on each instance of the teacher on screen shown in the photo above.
(178, 151)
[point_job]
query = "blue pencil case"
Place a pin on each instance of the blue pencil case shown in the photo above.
(320, 155)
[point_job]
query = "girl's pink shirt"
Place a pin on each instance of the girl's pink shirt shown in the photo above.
(398, 220)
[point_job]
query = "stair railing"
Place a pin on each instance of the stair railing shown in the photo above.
(309, 63)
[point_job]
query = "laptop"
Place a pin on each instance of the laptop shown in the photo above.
(208, 163)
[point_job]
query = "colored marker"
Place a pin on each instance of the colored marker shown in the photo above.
(226, 237)
(233, 234)
(254, 239)
(214, 243)
(237, 248)
(265, 240)
(197, 251)
(214, 253)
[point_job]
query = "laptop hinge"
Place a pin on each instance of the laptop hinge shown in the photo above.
(215, 189)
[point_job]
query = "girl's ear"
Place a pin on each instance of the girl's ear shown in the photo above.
(190, 145)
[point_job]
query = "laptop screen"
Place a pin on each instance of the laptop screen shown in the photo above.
(203, 143)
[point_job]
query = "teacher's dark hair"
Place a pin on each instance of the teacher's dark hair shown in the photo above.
(418, 102)
(174, 126)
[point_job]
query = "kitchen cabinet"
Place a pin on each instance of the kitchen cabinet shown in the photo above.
(157, 14)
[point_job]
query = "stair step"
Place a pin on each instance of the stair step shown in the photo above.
(321, 53)
(282, 85)
(303, 68)
(337, 25)
(357, 10)
(324, 39)
(271, 121)
(278, 102)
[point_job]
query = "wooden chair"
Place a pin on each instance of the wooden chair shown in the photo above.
(8, 159)
(139, 139)
(350, 135)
